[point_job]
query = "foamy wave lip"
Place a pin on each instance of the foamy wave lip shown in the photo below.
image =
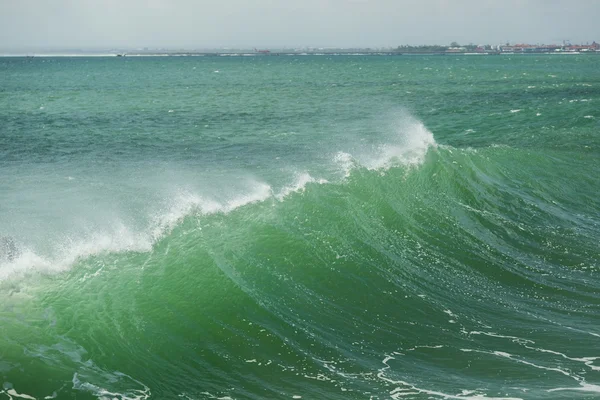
(186, 203)
(68, 250)
(410, 151)
(261, 192)
(299, 185)
(183, 204)
(22, 263)
(120, 238)
(346, 162)
(409, 148)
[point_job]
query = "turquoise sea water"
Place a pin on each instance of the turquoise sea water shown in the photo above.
(340, 227)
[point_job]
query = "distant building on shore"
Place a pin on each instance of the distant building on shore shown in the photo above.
(548, 48)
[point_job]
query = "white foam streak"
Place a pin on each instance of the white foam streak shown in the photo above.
(513, 358)
(11, 393)
(585, 387)
(101, 393)
(407, 389)
(588, 361)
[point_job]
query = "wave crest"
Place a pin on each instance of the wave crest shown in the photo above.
(407, 145)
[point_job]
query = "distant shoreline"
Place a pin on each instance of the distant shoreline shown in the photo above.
(453, 49)
(276, 54)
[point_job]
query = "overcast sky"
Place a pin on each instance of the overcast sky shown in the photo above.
(197, 24)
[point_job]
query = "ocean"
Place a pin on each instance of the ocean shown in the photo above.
(300, 227)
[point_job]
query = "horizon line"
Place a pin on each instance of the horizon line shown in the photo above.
(111, 48)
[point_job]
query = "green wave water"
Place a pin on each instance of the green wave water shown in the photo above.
(300, 227)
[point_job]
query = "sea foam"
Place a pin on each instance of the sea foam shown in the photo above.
(407, 145)
(118, 237)
(65, 249)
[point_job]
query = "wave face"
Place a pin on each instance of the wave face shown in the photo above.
(312, 227)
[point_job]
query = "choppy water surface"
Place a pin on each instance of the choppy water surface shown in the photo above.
(300, 227)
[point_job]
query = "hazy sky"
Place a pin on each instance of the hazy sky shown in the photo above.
(36, 24)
